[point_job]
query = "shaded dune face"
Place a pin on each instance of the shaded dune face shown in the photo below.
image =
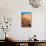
(26, 20)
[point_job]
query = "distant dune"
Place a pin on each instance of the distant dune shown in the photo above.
(26, 20)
